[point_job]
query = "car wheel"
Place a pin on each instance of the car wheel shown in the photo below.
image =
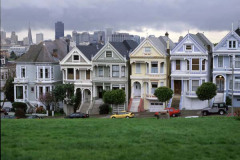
(113, 117)
(174, 115)
(221, 112)
(127, 117)
(205, 113)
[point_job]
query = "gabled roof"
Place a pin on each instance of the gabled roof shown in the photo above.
(159, 45)
(164, 40)
(204, 40)
(90, 50)
(238, 31)
(48, 51)
(125, 47)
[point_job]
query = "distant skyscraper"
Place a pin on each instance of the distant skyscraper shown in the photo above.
(25, 41)
(30, 35)
(3, 35)
(59, 30)
(109, 32)
(14, 38)
(39, 38)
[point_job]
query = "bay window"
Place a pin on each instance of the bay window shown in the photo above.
(115, 71)
(154, 87)
(123, 71)
(138, 67)
(195, 64)
(178, 65)
(195, 85)
(70, 74)
(237, 61)
(19, 92)
(154, 67)
(100, 71)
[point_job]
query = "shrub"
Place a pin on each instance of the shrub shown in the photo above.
(104, 109)
(163, 94)
(19, 113)
(40, 110)
(20, 105)
(228, 101)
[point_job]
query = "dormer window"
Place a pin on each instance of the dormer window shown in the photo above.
(76, 57)
(188, 47)
(108, 54)
(232, 44)
(147, 50)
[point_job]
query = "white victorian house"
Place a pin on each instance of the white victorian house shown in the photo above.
(77, 69)
(190, 67)
(226, 68)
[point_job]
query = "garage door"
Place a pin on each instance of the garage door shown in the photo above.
(156, 106)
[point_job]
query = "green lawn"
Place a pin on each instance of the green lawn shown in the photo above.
(134, 139)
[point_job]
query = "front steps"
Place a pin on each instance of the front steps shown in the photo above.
(219, 98)
(84, 107)
(135, 104)
(176, 101)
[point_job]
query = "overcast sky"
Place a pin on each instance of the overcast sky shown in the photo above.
(213, 17)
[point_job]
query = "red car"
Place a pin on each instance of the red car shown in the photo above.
(173, 112)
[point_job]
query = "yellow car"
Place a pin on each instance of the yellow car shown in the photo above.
(123, 114)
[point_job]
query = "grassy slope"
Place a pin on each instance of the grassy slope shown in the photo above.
(139, 139)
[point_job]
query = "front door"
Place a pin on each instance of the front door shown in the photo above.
(100, 91)
(177, 87)
(220, 84)
(137, 89)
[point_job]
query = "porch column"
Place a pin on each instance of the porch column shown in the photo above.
(190, 64)
(74, 73)
(15, 90)
(82, 91)
(200, 64)
(141, 90)
(182, 87)
(149, 65)
(132, 90)
(103, 86)
(91, 92)
(120, 71)
(94, 90)
(66, 73)
(149, 88)
(110, 70)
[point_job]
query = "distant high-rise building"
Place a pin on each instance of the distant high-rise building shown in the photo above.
(98, 37)
(39, 38)
(109, 32)
(120, 37)
(30, 35)
(25, 41)
(14, 38)
(59, 30)
(85, 37)
(3, 35)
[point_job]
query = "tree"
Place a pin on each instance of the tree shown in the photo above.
(20, 109)
(13, 55)
(77, 99)
(115, 97)
(207, 91)
(62, 91)
(9, 89)
(163, 94)
(47, 99)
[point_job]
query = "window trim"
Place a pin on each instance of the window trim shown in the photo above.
(179, 65)
(74, 59)
(23, 67)
(218, 63)
(116, 71)
(188, 50)
(106, 54)
(136, 65)
(198, 84)
(196, 64)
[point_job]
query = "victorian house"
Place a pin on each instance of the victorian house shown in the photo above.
(77, 69)
(226, 68)
(149, 70)
(190, 67)
(38, 71)
(110, 70)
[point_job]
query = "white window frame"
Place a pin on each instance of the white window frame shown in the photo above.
(237, 81)
(198, 85)
(188, 50)
(237, 57)
(123, 69)
(147, 50)
(162, 67)
(236, 44)
(23, 67)
(218, 61)
(99, 67)
(116, 71)
(22, 93)
(153, 83)
(78, 58)
(154, 62)
(138, 68)
(106, 54)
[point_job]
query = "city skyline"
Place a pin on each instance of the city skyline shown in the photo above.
(147, 17)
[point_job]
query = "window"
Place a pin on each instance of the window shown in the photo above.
(47, 89)
(23, 72)
(70, 73)
(238, 99)
(195, 85)
(178, 65)
(230, 84)
(138, 68)
(203, 81)
(100, 71)
(232, 44)
(162, 67)
(40, 73)
(162, 84)
(19, 92)
(188, 65)
(32, 89)
(115, 71)
(47, 73)
(154, 87)
(108, 53)
(40, 90)
(237, 61)
(154, 67)
(123, 71)
(147, 50)
(77, 74)
(87, 74)
(76, 57)
(220, 61)
(188, 86)
(195, 64)
(203, 64)
(231, 58)
(147, 67)
(188, 47)
(237, 83)
(52, 72)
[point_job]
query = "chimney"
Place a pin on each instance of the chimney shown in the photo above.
(166, 34)
(68, 44)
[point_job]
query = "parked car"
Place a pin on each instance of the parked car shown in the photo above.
(173, 112)
(6, 109)
(123, 114)
(78, 115)
(34, 117)
(217, 108)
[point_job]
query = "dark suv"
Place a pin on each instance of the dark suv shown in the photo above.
(217, 108)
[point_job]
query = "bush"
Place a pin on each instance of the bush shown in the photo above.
(104, 109)
(40, 110)
(20, 105)
(19, 113)
(228, 101)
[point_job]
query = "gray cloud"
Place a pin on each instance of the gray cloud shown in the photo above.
(174, 15)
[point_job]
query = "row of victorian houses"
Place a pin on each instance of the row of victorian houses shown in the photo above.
(138, 69)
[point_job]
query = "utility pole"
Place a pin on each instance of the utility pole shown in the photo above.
(232, 82)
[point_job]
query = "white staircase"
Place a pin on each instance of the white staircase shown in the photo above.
(135, 104)
(219, 98)
(84, 107)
